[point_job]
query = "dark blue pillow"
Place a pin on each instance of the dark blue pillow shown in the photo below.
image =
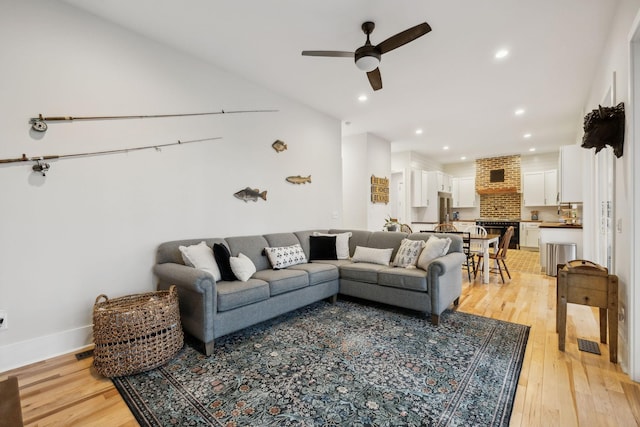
(322, 248)
(222, 255)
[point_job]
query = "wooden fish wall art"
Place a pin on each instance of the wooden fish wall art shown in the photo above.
(299, 179)
(251, 194)
(279, 146)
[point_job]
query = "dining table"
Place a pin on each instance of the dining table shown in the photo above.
(485, 241)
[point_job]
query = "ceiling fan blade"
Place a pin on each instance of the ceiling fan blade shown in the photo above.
(404, 37)
(375, 79)
(331, 53)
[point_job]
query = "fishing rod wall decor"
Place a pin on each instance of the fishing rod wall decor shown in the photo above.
(39, 123)
(42, 167)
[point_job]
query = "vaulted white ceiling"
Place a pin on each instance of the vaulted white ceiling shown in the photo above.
(447, 83)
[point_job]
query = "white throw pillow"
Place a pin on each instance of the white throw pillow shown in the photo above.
(408, 253)
(435, 248)
(372, 255)
(285, 256)
(200, 256)
(242, 267)
(342, 243)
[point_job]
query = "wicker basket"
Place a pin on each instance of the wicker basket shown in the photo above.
(136, 333)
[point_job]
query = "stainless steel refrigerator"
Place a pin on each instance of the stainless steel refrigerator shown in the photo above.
(445, 207)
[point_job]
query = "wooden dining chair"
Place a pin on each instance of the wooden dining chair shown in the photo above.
(476, 230)
(499, 256)
(405, 228)
(444, 228)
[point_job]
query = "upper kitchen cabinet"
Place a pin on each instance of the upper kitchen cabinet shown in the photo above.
(571, 162)
(444, 182)
(540, 188)
(419, 187)
(463, 192)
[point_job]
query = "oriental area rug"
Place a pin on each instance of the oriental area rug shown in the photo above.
(343, 364)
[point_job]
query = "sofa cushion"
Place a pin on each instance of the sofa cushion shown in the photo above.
(335, 262)
(281, 239)
(237, 294)
(408, 253)
(251, 246)
(398, 277)
(386, 239)
(361, 271)
(221, 254)
(281, 281)
(323, 247)
(318, 272)
(303, 237)
(242, 267)
(286, 256)
(358, 238)
(372, 255)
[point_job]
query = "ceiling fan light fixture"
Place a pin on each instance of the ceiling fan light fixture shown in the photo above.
(367, 63)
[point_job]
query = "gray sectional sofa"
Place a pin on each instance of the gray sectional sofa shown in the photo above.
(211, 309)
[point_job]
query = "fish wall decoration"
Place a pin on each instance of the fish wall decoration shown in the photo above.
(279, 146)
(299, 179)
(251, 194)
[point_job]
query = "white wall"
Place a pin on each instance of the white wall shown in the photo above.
(616, 58)
(364, 155)
(92, 224)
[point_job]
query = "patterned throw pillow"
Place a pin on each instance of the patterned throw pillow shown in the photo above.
(286, 256)
(408, 253)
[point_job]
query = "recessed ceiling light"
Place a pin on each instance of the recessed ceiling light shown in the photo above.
(362, 98)
(446, 147)
(501, 53)
(463, 158)
(532, 149)
(418, 131)
(519, 111)
(526, 135)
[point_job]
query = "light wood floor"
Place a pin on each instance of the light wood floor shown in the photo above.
(555, 388)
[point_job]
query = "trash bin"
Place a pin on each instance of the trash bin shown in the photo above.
(559, 253)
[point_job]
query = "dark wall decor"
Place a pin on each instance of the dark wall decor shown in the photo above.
(605, 126)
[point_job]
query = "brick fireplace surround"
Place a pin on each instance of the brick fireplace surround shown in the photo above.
(499, 199)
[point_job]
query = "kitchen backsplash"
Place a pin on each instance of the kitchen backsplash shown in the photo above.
(505, 205)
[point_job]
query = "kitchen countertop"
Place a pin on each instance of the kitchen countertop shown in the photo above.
(560, 225)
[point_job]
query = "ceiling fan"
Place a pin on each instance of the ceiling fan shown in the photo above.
(367, 57)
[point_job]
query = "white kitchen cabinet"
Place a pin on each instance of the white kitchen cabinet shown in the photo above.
(529, 235)
(571, 165)
(444, 182)
(551, 188)
(419, 185)
(463, 192)
(540, 188)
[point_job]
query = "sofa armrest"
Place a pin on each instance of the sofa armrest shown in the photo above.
(444, 281)
(196, 295)
(440, 266)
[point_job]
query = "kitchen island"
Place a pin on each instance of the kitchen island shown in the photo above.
(559, 232)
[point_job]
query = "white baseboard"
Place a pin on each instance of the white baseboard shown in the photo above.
(37, 349)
